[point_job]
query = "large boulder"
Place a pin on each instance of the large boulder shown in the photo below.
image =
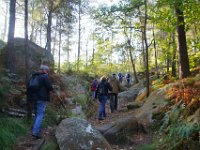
(74, 133)
(36, 56)
(127, 96)
(119, 131)
(156, 101)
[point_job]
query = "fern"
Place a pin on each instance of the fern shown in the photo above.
(170, 117)
(183, 130)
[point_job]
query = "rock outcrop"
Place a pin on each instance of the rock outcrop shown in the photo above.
(119, 131)
(36, 56)
(127, 96)
(78, 134)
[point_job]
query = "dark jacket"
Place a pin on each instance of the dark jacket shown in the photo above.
(45, 88)
(106, 87)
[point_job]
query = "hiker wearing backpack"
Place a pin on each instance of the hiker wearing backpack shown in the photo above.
(103, 89)
(114, 94)
(93, 88)
(38, 93)
(128, 78)
(120, 77)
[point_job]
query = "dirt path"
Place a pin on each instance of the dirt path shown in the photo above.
(137, 139)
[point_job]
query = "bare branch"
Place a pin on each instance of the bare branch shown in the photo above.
(150, 43)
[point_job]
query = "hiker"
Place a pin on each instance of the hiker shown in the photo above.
(120, 77)
(115, 90)
(128, 78)
(38, 92)
(103, 89)
(93, 88)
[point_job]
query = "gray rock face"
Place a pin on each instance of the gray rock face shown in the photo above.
(118, 131)
(78, 134)
(127, 96)
(36, 56)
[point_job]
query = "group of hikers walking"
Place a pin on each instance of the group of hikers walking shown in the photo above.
(107, 89)
(39, 89)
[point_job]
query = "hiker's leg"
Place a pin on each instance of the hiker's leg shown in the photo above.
(35, 110)
(111, 103)
(116, 101)
(102, 107)
(41, 106)
(93, 95)
(104, 112)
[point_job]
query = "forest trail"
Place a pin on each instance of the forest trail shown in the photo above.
(30, 143)
(137, 139)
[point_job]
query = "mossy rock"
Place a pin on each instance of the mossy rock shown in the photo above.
(36, 57)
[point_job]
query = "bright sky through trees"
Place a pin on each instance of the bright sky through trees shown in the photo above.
(86, 26)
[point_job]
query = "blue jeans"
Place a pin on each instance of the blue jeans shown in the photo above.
(102, 112)
(39, 108)
(93, 95)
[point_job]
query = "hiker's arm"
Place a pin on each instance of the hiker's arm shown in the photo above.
(109, 87)
(48, 83)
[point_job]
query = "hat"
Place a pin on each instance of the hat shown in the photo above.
(44, 67)
(113, 75)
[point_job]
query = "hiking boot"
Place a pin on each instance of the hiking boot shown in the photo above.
(36, 136)
(101, 118)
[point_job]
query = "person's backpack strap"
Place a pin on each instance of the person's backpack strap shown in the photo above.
(34, 83)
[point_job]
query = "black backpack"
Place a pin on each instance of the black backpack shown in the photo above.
(34, 84)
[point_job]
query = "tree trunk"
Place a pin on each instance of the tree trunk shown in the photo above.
(29, 108)
(143, 49)
(32, 22)
(86, 57)
(184, 69)
(48, 44)
(54, 43)
(195, 38)
(60, 36)
(93, 48)
(155, 52)
(10, 55)
(132, 62)
(79, 34)
(41, 34)
(146, 47)
(5, 22)
(174, 55)
(68, 43)
(26, 39)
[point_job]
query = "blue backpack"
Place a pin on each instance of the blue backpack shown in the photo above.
(34, 84)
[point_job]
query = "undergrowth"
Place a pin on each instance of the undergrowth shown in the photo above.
(4, 88)
(10, 130)
(51, 145)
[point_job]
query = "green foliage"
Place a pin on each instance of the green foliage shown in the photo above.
(91, 109)
(183, 130)
(176, 135)
(51, 145)
(10, 130)
(170, 117)
(81, 99)
(53, 115)
(4, 88)
(2, 45)
(146, 147)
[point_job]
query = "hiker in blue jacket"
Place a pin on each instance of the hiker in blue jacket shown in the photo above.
(39, 98)
(102, 89)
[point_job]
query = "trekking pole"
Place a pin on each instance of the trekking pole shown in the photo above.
(61, 101)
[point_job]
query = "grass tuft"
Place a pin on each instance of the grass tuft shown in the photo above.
(10, 130)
